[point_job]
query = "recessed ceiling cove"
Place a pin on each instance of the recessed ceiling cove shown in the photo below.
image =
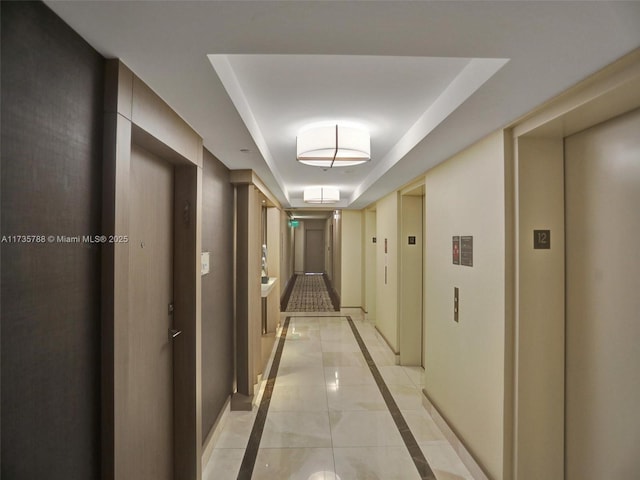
(374, 63)
(398, 100)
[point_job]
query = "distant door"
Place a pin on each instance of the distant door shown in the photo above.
(314, 251)
(150, 362)
(602, 175)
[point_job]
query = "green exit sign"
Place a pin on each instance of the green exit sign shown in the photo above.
(294, 223)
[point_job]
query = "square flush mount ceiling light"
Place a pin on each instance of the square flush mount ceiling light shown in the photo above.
(333, 146)
(321, 195)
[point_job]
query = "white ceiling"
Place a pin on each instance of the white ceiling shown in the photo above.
(399, 100)
(426, 78)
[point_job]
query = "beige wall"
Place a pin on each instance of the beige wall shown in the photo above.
(328, 248)
(540, 319)
(411, 286)
(298, 247)
(351, 289)
(335, 256)
(465, 361)
(369, 270)
(387, 294)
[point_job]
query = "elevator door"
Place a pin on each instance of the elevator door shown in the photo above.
(314, 251)
(602, 168)
(150, 365)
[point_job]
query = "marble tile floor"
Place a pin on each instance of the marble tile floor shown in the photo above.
(327, 418)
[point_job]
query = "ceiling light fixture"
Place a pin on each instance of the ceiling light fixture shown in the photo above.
(333, 146)
(321, 195)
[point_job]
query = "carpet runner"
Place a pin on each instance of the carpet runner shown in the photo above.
(310, 295)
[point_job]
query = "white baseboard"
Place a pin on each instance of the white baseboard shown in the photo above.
(397, 354)
(472, 465)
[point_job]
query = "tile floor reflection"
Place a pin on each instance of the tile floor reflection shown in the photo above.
(327, 419)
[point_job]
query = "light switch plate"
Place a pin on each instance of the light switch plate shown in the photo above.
(204, 263)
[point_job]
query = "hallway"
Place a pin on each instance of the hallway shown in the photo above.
(468, 199)
(325, 416)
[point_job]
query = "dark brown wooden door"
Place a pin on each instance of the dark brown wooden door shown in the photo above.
(150, 383)
(314, 251)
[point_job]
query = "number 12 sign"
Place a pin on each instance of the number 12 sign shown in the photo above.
(541, 239)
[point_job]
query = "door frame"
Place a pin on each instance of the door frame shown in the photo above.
(411, 333)
(134, 114)
(534, 174)
(369, 276)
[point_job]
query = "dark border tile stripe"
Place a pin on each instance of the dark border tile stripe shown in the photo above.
(250, 454)
(424, 469)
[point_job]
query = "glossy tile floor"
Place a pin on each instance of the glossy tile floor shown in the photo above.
(327, 418)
